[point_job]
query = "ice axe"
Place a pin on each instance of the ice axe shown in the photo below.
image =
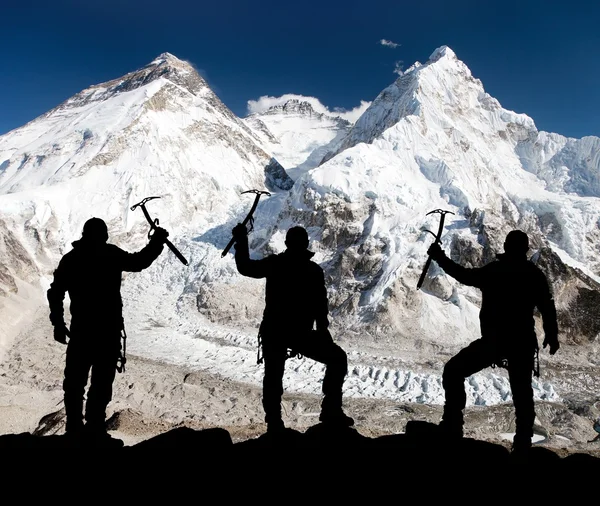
(154, 224)
(437, 236)
(248, 218)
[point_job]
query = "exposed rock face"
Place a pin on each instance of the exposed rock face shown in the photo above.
(577, 298)
(16, 261)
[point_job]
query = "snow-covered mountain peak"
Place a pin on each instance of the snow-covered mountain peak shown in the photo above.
(166, 66)
(440, 93)
(434, 139)
(159, 130)
(167, 58)
(442, 52)
(295, 106)
(166, 69)
(292, 106)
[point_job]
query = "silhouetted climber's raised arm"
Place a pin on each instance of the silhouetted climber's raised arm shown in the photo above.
(466, 276)
(140, 260)
(71, 274)
(245, 265)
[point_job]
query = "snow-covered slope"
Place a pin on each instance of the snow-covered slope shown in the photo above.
(298, 135)
(158, 131)
(432, 139)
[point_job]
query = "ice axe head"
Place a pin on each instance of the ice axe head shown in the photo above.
(258, 192)
(439, 211)
(142, 203)
(442, 214)
(248, 218)
(153, 223)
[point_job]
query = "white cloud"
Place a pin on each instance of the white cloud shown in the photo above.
(265, 102)
(388, 43)
(399, 67)
(353, 114)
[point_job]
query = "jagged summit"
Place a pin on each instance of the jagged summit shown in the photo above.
(165, 66)
(166, 57)
(295, 106)
(442, 51)
(292, 106)
(441, 91)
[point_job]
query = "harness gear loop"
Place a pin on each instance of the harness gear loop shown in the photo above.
(293, 354)
(536, 365)
(122, 354)
(259, 356)
(503, 362)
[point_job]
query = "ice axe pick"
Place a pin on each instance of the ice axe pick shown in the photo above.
(437, 236)
(154, 224)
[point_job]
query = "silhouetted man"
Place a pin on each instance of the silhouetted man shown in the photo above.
(511, 287)
(295, 302)
(91, 274)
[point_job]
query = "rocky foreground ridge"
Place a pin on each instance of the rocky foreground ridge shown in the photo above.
(323, 460)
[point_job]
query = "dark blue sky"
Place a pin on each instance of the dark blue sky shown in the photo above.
(536, 57)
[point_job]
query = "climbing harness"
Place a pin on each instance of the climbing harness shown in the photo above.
(260, 356)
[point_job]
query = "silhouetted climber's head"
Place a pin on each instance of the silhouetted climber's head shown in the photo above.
(95, 231)
(516, 243)
(296, 239)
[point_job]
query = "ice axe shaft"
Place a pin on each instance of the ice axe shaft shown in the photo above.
(438, 237)
(248, 218)
(154, 223)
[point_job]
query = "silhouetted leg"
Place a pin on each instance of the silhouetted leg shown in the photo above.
(104, 368)
(274, 360)
(470, 360)
(321, 348)
(336, 363)
(519, 373)
(77, 369)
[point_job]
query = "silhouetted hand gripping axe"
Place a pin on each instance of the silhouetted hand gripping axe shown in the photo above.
(437, 236)
(154, 223)
(248, 218)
